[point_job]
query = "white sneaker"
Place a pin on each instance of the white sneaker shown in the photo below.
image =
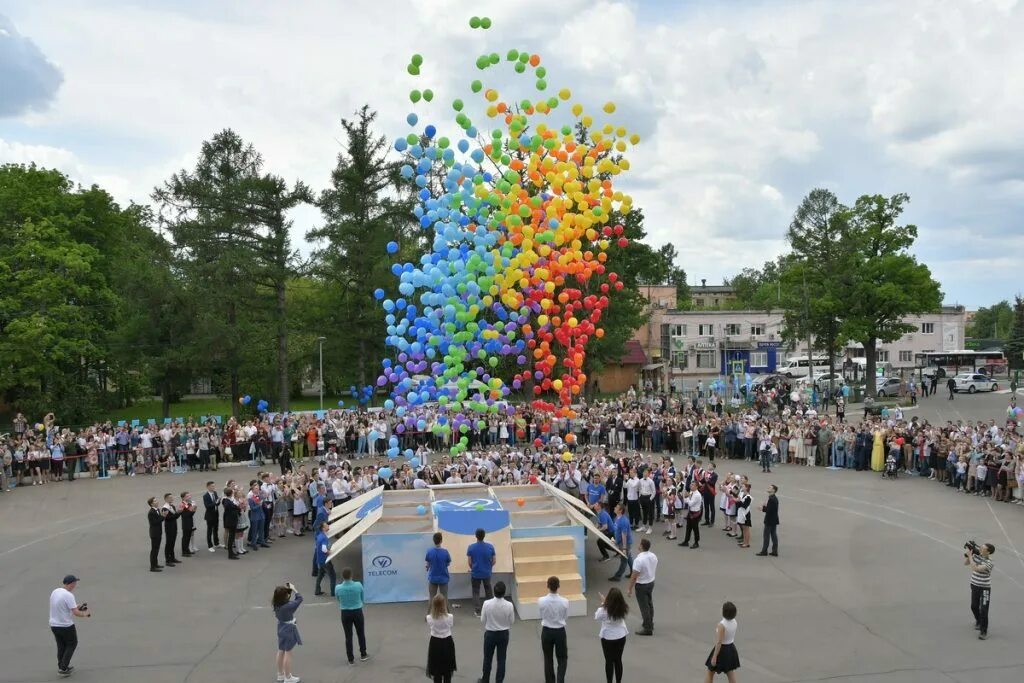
(648, 532)
(213, 550)
(280, 677)
(292, 679)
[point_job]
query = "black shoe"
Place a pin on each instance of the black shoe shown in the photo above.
(774, 554)
(365, 657)
(615, 578)
(983, 635)
(694, 546)
(318, 593)
(264, 545)
(645, 633)
(155, 569)
(232, 557)
(187, 554)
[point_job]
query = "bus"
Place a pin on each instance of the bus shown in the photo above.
(991, 363)
(798, 367)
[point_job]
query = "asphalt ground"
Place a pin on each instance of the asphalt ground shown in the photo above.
(870, 587)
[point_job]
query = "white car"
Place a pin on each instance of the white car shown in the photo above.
(821, 381)
(972, 382)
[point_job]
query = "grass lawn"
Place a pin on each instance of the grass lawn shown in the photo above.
(197, 407)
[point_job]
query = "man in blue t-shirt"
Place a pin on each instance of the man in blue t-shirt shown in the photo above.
(437, 561)
(481, 560)
(604, 523)
(596, 492)
(623, 539)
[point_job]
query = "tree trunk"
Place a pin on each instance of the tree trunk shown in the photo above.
(870, 349)
(283, 386)
(233, 361)
(165, 397)
(234, 392)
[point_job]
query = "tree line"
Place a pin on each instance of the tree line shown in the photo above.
(102, 304)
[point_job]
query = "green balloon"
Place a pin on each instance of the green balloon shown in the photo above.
(541, 85)
(485, 23)
(476, 86)
(474, 22)
(524, 57)
(495, 58)
(512, 55)
(413, 70)
(457, 105)
(479, 507)
(415, 96)
(541, 72)
(417, 59)
(520, 67)
(429, 95)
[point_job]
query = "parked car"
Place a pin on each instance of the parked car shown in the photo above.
(888, 386)
(821, 381)
(767, 381)
(972, 382)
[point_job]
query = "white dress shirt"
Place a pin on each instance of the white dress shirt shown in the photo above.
(632, 487)
(611, 629)
(695, 502)
(647, 487)
(645, 565)
(497, 614)
(554, 610)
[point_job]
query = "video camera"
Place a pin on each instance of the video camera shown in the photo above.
(972, 547)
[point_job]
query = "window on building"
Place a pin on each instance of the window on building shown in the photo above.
(679, 360)
(927, 328)
(666, 340)
(882, 356)
(699, 303)
(716, 303)
(677, 330)
(732, 328)
(906, 356)
(757, 330)
(706, 359)
(705, 330)
(758, 359)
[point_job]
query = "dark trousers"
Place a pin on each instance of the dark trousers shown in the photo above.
(186, 538)
(692, 526)
(154, 551)
(980, 598)
(613, 658)
(633, 508)
(709, 509)
(286, 462)
(268, 517)
(770, 533)
(212, 533)
(554, 645)
(476, 583)
(604, 547)
(204, 461)
(353, 618)
(495, 642)
(229, 540)
(169, 547)
(646, 510)
(67, 641)
(327, 569)
(645, 600)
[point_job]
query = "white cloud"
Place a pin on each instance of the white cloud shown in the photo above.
(744, 107)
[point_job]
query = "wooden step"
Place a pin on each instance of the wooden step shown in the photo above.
(537, 586)
(549, 565)
(544, 545)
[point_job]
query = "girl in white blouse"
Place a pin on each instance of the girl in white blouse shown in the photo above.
(612, 615)
(441, 650)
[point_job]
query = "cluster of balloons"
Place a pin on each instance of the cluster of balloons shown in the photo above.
(362, 395)
(261, 406)
(1015, 412)
(516, 281)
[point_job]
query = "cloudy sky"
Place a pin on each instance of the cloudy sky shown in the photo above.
(743, 105)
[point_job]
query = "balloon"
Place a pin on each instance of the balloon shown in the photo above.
(392, 247)
(384, 473)
(341, 404)
(421, 510)
(567, 456)
(414, 462)
(241, 399)
(478, 507)
(520, 502)
(40, 426)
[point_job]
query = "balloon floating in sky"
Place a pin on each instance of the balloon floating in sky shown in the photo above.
(518, 204)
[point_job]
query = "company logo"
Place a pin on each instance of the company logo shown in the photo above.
(381, 562)
(466, 505)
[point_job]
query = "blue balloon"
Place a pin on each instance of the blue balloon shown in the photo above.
(341, 404)
(389, 404)
(378, 294)
(414, 462)
(393, 452)
(421, 510)
(392, 247)
(411, 119)
(429, 131)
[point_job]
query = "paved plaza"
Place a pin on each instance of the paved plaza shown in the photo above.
(870, 588)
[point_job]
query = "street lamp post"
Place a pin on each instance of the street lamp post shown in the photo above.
(320, 341)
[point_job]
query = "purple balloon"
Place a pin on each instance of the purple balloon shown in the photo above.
(516, 384)
(381, 381)
(521, 360)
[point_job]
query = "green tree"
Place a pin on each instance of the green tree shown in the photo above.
(992, 322)
(367, 205)
(886, 282)
(1014, 347)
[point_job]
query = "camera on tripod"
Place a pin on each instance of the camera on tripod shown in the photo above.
(972, 547)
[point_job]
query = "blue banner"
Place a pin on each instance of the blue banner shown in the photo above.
(393, 567)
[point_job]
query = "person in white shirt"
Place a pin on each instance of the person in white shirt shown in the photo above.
(612, 615)
(497, 615)
(554, 610)
(646, 491)
(632, 490)
(695, 510)
(645, 566)
(441, 651)
(63, 609)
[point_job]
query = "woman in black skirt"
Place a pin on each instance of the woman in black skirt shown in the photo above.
(441, 651)
(723, 658)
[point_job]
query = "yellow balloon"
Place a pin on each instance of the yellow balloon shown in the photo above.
(609, 108)
(567, 456)
(577, 109)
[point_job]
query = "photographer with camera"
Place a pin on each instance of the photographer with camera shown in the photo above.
(977, 557)
(63, 609)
